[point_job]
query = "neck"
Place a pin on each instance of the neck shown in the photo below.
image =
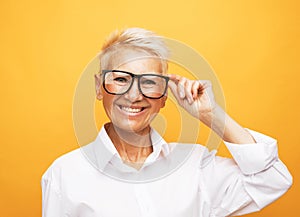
(133, 147)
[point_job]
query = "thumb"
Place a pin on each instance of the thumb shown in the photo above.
(173, 86)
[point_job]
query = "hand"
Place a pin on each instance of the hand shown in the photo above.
(195, 96)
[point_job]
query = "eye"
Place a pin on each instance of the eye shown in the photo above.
(121, 79)
(148, 82)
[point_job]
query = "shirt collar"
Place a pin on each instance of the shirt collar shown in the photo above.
(104, 151)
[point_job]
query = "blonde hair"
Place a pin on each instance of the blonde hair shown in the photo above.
(133, 39)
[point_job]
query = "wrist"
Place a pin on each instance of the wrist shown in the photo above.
(214, 114)
(215, 119)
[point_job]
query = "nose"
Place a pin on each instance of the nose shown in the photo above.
(134, 93)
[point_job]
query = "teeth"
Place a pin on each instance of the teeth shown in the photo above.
(131, 110)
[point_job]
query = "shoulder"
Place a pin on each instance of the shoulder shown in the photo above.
(196, 154)
(204, 158)
(68, 159)
(66, 164)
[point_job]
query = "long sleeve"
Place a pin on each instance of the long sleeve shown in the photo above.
(51, 197)
(254, 178)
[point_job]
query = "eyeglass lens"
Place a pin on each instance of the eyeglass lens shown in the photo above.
(153, 86)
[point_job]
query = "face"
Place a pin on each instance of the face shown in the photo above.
(132, 111)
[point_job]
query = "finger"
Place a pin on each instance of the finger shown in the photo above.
(174, 89)
(181, 87)
(205, 84)
(196, 89)
(180, 82)
(188, 91)
(173, 86)
(175, 78)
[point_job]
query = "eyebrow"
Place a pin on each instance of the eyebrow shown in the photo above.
(138, 75)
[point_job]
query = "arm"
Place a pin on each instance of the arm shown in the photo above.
(198, 99)
(256, 177)
(51, 197)
(227, 128)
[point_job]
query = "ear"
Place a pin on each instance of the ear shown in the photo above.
(99, 94)
(163, 101)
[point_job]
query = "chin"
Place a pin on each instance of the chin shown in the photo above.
(131, 126)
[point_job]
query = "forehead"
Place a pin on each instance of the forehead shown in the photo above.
(141, 66)
(136, 62)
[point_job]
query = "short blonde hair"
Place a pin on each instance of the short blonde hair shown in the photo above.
(135, 39)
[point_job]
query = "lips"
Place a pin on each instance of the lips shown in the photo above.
(131, 110)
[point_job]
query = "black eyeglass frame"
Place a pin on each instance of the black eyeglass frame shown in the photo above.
(133, 76)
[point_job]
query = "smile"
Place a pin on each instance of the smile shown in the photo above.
(131, 110)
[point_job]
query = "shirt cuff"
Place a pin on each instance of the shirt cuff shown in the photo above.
(256, 157)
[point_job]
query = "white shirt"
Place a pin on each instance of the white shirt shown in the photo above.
(177, 180)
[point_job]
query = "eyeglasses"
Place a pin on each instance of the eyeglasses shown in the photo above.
(117, 82)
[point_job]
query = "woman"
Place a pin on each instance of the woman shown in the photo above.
(110, 176)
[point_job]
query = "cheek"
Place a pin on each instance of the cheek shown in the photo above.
(158, 105)
(107, 103)
(107, 108)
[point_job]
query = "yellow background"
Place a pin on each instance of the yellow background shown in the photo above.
(45, 45)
